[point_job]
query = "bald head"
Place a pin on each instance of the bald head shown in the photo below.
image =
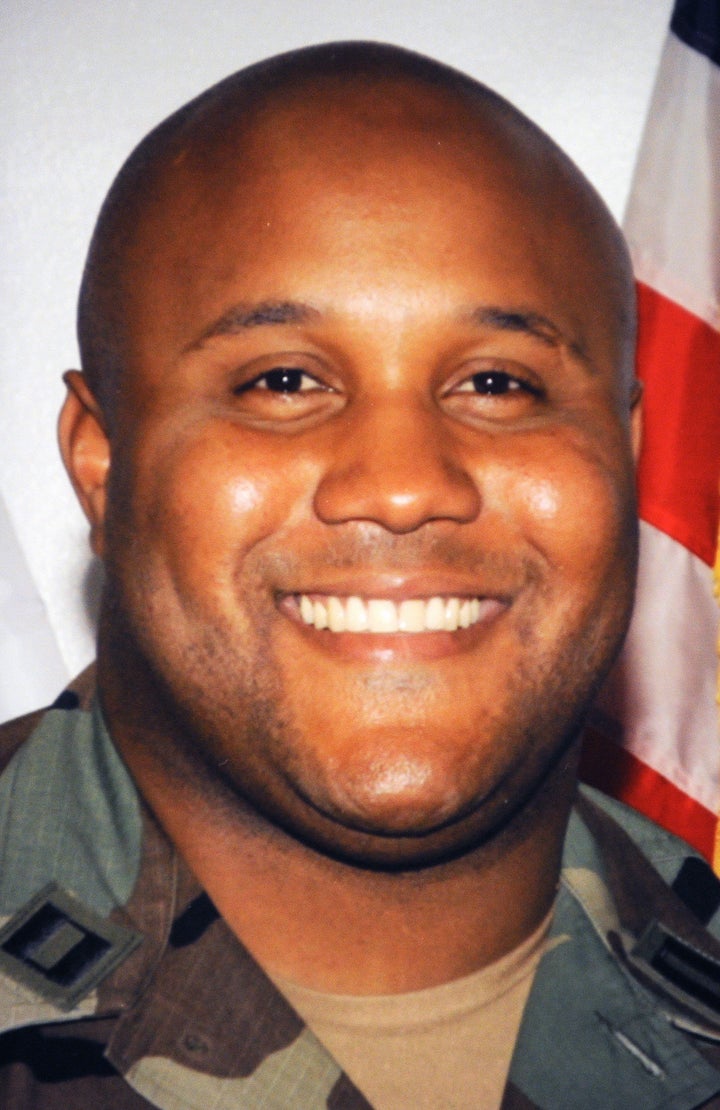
(362, 108)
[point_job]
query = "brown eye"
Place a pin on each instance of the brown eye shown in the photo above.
(497, 383)
(282, 379)
(285, 397)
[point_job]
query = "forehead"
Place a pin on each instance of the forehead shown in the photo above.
(392, 180)
(334, 138)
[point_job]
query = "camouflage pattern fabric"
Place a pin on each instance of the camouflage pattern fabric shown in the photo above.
(186, 1020)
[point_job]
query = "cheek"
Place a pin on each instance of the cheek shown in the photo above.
(575, 505)
(203, 500)
(542, 499)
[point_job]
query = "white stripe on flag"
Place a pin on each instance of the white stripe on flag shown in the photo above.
(662, 688)
(672, 217)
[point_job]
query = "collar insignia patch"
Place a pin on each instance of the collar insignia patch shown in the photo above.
(60, 949)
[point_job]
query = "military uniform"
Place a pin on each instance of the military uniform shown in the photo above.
(121, 987)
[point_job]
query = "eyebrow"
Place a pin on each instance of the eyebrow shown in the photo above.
(241, 317)
(244, 316)
(510, 319)
(534, 324)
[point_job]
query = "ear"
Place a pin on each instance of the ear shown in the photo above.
(85, 449)
(636, 419)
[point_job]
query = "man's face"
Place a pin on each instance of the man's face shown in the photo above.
(370, 512)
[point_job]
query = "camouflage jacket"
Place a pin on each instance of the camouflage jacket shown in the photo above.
(121, 987)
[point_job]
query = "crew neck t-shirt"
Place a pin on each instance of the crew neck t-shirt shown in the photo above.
(448, 1046)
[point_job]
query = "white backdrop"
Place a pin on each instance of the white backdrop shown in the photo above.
(83, 81)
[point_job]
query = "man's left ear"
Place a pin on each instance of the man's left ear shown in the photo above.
(85, 450)
(636, 419)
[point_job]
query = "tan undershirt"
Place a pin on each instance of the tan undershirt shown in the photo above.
(448, 1046)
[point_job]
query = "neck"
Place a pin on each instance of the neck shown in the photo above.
(330, 925)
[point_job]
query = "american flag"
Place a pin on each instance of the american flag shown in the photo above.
(655, 740)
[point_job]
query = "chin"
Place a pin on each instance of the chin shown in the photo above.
(411, 816)
(401, 797)
(394, 846)
(395, 830)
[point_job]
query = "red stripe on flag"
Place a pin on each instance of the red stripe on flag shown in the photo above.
(679, 363)
(617, 772)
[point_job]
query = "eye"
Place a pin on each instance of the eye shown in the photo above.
(282, 379)
(280, 395)
(492, 392)
(497, 383)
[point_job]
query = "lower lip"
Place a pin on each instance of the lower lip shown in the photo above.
(391, 646)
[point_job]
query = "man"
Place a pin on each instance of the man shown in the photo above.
(355, 435)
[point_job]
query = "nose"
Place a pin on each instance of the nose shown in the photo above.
(396, 464)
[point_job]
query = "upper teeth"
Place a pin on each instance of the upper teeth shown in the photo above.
(356, 614)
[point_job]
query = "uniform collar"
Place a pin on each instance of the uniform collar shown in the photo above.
(589, 1026)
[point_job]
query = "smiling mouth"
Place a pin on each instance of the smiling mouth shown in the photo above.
(383, 616)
